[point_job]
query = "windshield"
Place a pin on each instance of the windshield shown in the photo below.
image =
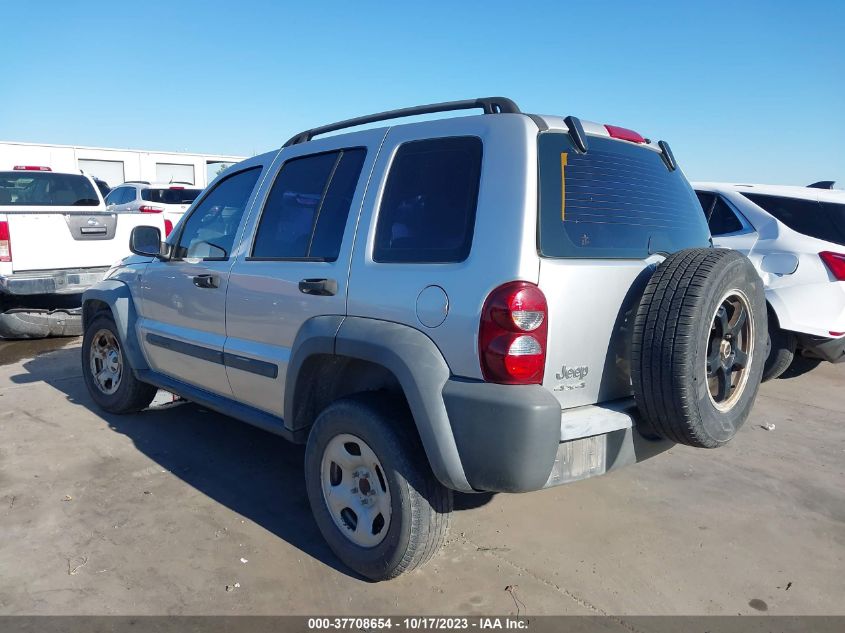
(617, 200)
(822, 220)
(30, 188)
(171, 195)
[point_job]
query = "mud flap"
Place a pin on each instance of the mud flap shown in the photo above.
(24, 323)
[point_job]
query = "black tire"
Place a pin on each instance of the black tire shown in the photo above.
(680, 313)
(131, 394)
(420, 506)
(800, 366)
(781, 350)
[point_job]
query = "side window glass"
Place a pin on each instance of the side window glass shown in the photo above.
(706, 200)
(129, 195)
(306, 211)
(427, 213)
(114, 196)
(722, 219)
(211, 229)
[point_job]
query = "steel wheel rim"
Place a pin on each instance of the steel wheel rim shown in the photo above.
(105, 361)
(730, 350)
(355, 490)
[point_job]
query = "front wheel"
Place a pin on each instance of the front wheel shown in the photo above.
(372, 492)
(108, 375)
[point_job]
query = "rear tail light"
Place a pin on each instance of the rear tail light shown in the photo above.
(168, 227)
(148, 209)
(31, 168)
(624, 133)
(512, 335)
(835, 263)
(5, 243)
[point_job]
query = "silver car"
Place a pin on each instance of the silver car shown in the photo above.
(171, 199)
(500, 302)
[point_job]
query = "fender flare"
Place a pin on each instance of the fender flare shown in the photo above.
(118, 297)
(411, 357)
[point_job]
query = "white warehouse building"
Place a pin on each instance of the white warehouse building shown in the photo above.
(115, 166)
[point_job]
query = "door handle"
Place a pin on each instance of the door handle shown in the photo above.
(207, 281)
(320, 287)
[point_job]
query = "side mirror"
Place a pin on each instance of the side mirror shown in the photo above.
(145, 241)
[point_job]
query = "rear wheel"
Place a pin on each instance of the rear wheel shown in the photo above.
(699, 346)
(108, 375)
(781, 351)
(800, 366)
(372, 492)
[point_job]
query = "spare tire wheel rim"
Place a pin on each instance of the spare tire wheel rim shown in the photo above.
(730, 349)
(105, 361)
(355, 490)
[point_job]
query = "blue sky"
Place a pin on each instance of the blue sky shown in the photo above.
(751, 92)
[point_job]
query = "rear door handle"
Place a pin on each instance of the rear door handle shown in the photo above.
(320, 287)
(207, 281)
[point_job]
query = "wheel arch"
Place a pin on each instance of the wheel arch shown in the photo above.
(115, 297)
(333, 357)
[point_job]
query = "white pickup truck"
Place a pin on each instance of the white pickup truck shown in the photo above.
(56, 240)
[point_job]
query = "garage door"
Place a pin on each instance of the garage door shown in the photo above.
(172, 172)
(109, 170)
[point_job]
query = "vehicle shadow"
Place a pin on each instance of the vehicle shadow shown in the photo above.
(250, 471)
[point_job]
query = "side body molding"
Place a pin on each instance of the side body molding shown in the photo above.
(411, 357)
(118, 297)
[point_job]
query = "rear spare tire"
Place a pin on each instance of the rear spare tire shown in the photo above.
(699, 346)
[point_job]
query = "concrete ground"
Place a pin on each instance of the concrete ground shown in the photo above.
(182, 511)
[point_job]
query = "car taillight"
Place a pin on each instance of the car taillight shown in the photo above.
(148, 209)
(624, 133)
(512, 335)
(168, 227)
(5, 243)
(31, 168)
(835, 262)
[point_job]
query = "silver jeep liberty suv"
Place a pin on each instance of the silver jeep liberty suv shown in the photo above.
(499, 302)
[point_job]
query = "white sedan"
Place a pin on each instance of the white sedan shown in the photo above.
(795, 237)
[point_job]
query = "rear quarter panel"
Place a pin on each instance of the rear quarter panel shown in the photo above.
(503, 247)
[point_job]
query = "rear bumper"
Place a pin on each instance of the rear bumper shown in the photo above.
(49, 282)
(35, 323)
(829, 349)
(517, 439)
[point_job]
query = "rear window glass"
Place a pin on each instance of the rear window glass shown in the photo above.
(822, 220)
(427, 214)
(616, 201)
(45, 189)
(172, 195)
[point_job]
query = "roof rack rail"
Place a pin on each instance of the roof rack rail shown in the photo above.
(822, 184)
(490, 105)
(136, 182)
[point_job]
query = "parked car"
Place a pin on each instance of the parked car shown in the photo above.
(795, 237)
(56, 240)
(169, 199)
(103, 186)
(501, 302)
